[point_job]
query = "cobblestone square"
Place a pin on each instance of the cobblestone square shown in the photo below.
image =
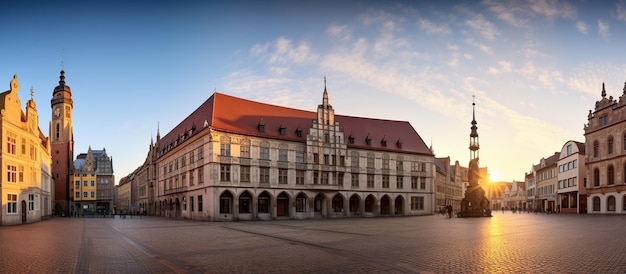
(505, 243)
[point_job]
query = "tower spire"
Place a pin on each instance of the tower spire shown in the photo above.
(474, 146)
(325, 97)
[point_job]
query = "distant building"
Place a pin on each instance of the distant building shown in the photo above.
(515, 196)
(448, 184)
(62, 144)
(605, 141)
(234, 159)
(572, 193)
(546, 183)
(92, 184)
(25, 180)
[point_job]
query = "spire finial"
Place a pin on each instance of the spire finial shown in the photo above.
(32, 92)
(324, 82)
(603, 90)
(62, 60)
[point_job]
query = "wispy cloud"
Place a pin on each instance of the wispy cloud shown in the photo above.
(603, 29)
(503, 68)
(483, 26)
(342, 32)
(581, 27)
(432, 28)
(553, 8)
(620, 9)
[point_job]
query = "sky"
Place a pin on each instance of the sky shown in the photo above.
(533, 68)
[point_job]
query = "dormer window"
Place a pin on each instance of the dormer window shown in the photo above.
(368, 140)
(399, 143)
(351, 139)
(298, 132)
(261, 126)
(282, 130)
(383, 142)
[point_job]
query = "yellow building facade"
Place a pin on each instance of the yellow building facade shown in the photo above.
(27, 189)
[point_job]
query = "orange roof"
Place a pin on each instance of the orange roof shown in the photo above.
(236, 115)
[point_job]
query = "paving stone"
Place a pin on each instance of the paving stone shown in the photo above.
(505, 243)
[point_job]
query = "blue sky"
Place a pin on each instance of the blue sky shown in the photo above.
(535, 68)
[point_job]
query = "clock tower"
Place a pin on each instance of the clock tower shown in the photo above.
(62, 144)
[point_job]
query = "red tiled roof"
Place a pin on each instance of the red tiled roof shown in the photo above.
(236, 115)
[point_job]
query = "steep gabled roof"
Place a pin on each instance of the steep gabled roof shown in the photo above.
(236, 115)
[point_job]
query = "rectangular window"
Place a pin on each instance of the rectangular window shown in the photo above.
(85, 183)
(324, 178)
(282, 155)
(21, 174)
(399, 165)
(370, 180)
(244, 173)
(31, 201)
(354, 180)
(11, 144)
(244, 151)
(77, 195)
(342, 160)
(200, 154)
(191, 181)
(422, 183)
(225, 149)
(11, 174)
(191, 160)
(93, 183)
(85, 194)
(264, 175)
(224, 173)
(340, 178)
(355, 161)
(417, 203)
(316, 158)
(183, 161)
(200, 175)
(191, 203)
(414, 182)
(199, 203)
(299, 177)
(334, 160)
(282, 176)
(315, 177)
(326, 159)
(264, 153)
(299, 156)
(385, 163)
(77, 183)
(399, 182)
(93, 194)
(11, 203)
(370, 161)
(385, 181)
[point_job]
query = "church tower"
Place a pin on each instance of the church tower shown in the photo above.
(62, 144)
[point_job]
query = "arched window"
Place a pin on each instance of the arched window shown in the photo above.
(57, 131)
(596, 177)
(596, 203)
(610, 203)
(596, 148)
(610, 175)
(610, 144)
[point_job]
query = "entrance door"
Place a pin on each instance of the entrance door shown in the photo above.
(23, 212)
(282, 205)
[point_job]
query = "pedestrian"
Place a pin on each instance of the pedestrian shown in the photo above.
(449, 208)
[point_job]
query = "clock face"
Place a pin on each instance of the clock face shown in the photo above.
(57, 112)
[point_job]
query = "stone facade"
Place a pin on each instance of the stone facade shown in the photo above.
(605, 160)
(297, 166)
(26, 187)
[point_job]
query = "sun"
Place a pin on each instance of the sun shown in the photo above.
(493, 177)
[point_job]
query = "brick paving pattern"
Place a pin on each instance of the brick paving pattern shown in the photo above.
(505, 243)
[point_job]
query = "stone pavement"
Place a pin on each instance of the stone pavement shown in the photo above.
(505, 243)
